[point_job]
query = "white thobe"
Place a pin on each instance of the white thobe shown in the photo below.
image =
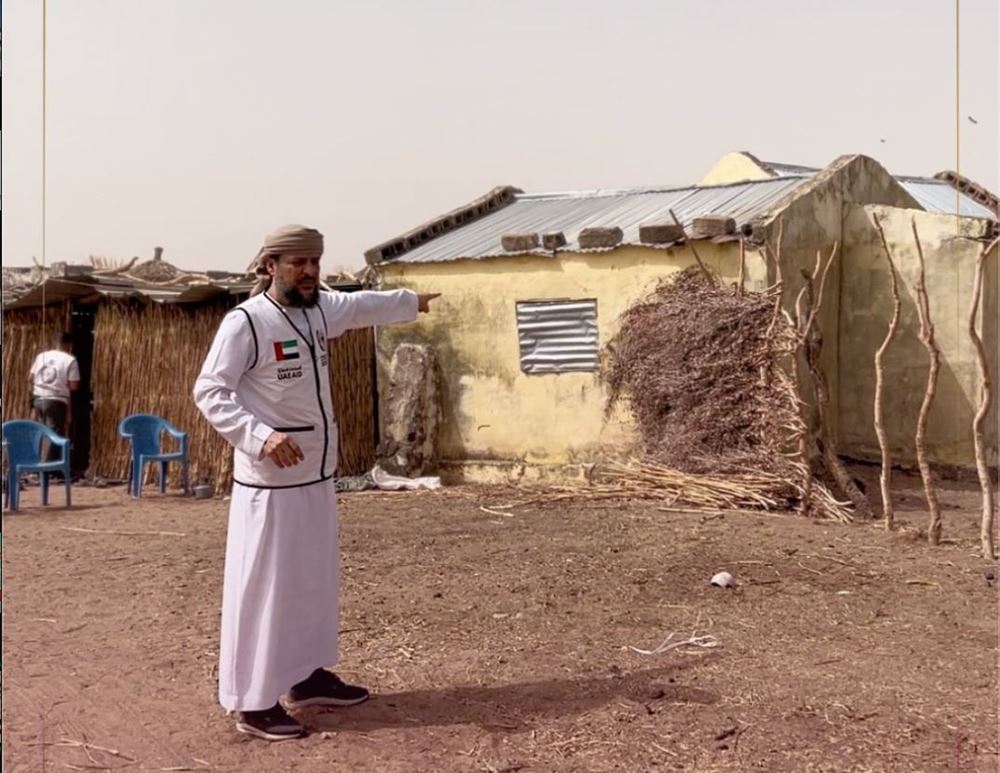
(266, 371)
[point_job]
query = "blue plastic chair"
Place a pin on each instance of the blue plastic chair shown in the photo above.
(144, 430)
(23, 441)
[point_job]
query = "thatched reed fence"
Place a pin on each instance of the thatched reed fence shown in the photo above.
(352, 381)
(146, 359)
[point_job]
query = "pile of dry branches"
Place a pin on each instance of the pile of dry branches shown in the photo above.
(703, 369)
(698, 366)
(648, 480)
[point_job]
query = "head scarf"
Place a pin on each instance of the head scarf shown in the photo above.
(291, 240)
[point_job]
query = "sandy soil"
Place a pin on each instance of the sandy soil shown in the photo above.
(498, 643)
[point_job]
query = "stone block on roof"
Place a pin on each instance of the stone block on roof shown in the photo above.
(711, 226)
(520, 242)
(660, 233)
(593, 238)
(553, 240)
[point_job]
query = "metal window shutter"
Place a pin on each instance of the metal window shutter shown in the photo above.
(557, 336)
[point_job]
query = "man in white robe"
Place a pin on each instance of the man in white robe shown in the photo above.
(265, 387)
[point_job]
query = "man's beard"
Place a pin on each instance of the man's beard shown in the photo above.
(294, 297)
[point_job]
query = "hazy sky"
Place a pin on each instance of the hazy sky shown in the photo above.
(200, 125)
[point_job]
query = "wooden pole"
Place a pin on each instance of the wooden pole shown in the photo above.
(690, 244)
(743, 267)
(885, 477)
(920, 441)
(985, 400)
(805, 458)
(779, 284)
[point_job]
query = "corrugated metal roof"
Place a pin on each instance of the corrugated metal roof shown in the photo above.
(627, 209)
(788, 170)
(938, 196)
(932, 194)
(571, 212)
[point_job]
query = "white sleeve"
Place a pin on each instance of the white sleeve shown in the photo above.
(346, 311)
(232, 354)
(34, 365)
(73, 371)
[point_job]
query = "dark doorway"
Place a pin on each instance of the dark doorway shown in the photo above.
(82, 328)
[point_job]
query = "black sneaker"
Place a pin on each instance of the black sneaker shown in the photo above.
(323, 688)
(272, 724)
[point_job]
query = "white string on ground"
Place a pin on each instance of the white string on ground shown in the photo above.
(706, 641)
(493, 511)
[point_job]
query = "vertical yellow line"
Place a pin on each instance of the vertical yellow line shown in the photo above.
(44, 127)
(958, 192)
(44, 169)
(958, 110)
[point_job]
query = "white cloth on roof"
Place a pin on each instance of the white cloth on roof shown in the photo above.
(266, 371)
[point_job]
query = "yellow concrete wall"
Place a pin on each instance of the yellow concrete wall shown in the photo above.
(492, 410)
(813, 223)
(812, 220)
(733, 168)
(950, 251)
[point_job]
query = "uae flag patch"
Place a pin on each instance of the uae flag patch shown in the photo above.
(286, 350)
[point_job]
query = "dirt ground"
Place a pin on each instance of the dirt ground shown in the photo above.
(498, 643)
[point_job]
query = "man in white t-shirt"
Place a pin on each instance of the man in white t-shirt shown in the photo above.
(55, 375)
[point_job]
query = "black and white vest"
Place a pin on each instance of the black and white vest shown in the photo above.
(268, 371)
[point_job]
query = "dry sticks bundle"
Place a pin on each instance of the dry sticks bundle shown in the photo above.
(767, 491)
(646, 480)
(735, 492)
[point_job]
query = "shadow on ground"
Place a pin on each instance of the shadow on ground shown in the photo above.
(511, 707)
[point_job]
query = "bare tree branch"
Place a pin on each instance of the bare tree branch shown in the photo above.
(985, 400)
(813, 342)
(743, 267)
(920, 441)
(885, 477)
(689, 243)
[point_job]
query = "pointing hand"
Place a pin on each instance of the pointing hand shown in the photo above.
(424, 301)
